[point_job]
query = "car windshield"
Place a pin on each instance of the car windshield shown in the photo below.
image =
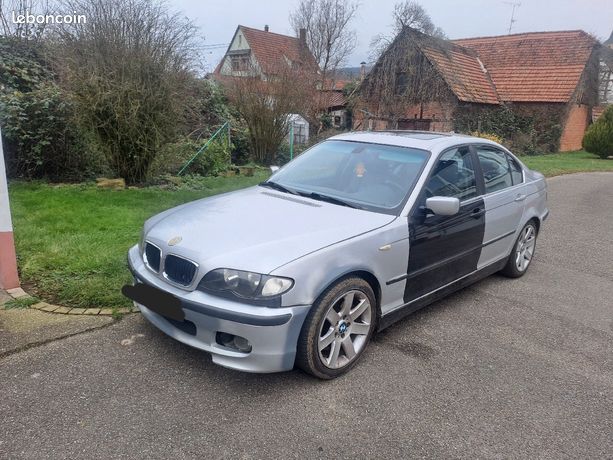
(362, 175)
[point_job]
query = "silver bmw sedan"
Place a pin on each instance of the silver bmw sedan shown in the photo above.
(354, 234)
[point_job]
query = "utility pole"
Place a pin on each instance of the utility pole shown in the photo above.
(8, 259)
(513, 20)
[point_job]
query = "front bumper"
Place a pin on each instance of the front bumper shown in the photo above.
(271, 332)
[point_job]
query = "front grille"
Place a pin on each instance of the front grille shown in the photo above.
(153, 255)
(179, 270)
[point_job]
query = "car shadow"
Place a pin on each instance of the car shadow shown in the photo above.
(401, 336)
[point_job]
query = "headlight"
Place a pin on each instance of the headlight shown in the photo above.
(244, 284)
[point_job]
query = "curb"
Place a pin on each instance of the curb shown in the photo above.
(19, 293)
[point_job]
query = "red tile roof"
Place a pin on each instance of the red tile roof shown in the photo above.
(534, 67)
(329, 99)
(272, 49)
(462, 71)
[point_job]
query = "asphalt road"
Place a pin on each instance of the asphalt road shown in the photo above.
(506, 369)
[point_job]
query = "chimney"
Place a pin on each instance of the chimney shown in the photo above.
(302, 45)
(362, 70)
(266, 28)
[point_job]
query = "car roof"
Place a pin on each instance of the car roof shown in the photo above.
(425, 140)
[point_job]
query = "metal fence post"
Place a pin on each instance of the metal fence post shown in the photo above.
(8, 259)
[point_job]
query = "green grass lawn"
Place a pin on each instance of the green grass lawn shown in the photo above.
(556, 164)
(72, 240)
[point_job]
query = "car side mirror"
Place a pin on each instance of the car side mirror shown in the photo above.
(443, 205)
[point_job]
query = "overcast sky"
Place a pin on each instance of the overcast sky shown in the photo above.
(218, 19)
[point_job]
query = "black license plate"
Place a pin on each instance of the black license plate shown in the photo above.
(155, 300)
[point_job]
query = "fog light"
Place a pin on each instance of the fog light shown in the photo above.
(242, 344)
(235, 342)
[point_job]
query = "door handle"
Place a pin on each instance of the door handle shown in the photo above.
(477, 212)
(520, 197)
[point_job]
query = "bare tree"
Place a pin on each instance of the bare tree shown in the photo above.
(265, 105)
(23, 30)
(411, 14)
(129, 68)
(328, 33)
(407, 13)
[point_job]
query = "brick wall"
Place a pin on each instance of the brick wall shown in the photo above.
(574, 128)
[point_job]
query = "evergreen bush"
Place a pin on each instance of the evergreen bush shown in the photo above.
(599, 137)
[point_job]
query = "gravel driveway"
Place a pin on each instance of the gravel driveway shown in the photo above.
(506, 368)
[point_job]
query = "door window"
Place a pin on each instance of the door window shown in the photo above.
(495, 167)
(454, 175)
(516, 173)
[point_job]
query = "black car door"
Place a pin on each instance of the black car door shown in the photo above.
(446, 248)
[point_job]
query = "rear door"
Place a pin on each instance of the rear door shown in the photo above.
(445, 248)
(504, 201)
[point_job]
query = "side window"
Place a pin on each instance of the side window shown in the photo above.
(516, 173)
(495, 167)
(453, 175)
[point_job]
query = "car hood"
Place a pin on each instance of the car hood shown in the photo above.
(256, 229)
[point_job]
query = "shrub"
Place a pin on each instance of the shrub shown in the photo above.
(490, 136)
(172, 157)
(526, 130)
(240, 145)
(130, 75)
(214, 160)
(599, 137)
(40, 138)
(325, 121)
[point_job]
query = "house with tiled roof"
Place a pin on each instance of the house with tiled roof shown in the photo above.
(264, 52)
(547, 79)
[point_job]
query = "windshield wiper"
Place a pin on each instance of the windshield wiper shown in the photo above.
(277, 186)
(330, 199)
(313, 195)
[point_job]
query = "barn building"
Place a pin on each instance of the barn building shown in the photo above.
(536, 89)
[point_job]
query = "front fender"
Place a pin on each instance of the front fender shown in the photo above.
(315, 272)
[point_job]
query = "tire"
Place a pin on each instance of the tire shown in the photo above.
(523, 252)
(327, 350)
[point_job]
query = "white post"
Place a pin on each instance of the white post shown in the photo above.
(8, 260)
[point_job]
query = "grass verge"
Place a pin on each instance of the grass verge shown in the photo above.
(72, 240)
(556, 164)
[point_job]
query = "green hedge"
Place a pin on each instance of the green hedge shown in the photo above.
(40, 138)
(599, 137)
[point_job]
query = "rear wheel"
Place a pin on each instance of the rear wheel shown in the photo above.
(337, 329)
(522, 253)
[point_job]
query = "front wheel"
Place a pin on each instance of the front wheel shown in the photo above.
(522, 252)
(337, 329)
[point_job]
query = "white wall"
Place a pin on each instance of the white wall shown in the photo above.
(6, 224)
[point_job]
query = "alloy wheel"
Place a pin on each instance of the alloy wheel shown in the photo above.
(344, 330)
(525, 248)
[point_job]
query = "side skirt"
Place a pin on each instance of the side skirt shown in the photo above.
(408, 308)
